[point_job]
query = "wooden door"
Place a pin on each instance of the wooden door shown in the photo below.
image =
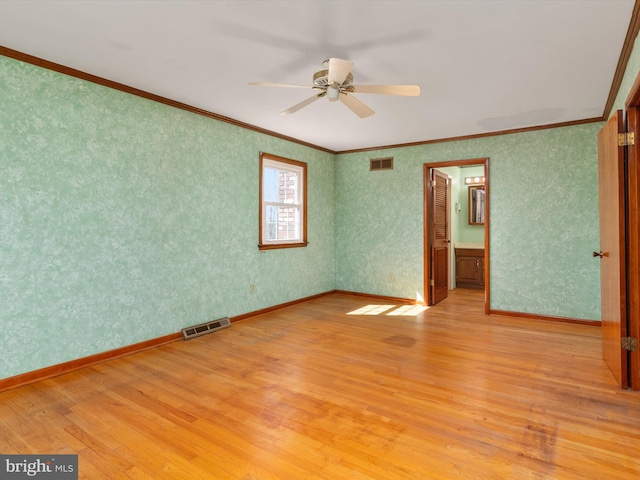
(633, 232)
(611, 182)
(440, 237)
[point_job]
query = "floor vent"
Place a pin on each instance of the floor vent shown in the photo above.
(204, 328)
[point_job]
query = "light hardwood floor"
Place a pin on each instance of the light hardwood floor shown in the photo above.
(312, 392)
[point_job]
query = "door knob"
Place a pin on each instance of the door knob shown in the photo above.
(600, 254)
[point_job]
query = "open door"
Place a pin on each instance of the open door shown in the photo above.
(611, 188)
(633, 233)
(439, 237)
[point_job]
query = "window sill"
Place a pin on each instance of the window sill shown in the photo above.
(274, 246)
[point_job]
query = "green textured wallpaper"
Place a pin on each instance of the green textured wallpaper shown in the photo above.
(122, 220)
(544, 220)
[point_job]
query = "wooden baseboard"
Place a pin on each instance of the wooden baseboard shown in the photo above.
(507, 313)
(278, 307)
(59, 369)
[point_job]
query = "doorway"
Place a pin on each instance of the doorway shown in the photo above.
(436, 247)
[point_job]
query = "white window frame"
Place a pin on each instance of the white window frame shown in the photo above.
(299, 202)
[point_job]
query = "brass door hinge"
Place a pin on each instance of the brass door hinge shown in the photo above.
(433, 283)
(630, 344)
(625, 139)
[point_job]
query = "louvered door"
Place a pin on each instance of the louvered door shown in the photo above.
(440, 236)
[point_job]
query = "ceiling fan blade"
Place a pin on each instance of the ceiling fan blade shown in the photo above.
(303, 104)
(338, 70)
(356, 105)
(407, 90)
(269, 84)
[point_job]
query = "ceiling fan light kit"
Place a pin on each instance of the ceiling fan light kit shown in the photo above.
(335, 81)
(333, 93)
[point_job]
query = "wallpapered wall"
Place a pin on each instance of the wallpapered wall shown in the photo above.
(122, 220)
(544, 220)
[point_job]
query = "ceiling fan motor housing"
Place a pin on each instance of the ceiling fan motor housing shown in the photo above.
(321, 80)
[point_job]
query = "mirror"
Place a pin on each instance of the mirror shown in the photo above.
(476, 204)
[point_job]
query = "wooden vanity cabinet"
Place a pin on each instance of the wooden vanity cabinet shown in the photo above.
(470, 267)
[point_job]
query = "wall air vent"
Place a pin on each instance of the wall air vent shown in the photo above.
(204, 328)
(381, 163)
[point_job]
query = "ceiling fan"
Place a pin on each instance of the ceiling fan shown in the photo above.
(335, 82)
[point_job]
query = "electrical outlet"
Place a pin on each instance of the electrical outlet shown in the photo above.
(253, 287)
(392, 277)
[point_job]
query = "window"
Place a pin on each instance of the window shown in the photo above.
(283, 202)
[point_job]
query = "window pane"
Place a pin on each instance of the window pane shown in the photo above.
(283, 223)
(272, 222)
(288, 223)
(288, 187)
(270, 184)
(280, 186)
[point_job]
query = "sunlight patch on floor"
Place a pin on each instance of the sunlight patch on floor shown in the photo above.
(393, 310)
(409, 310)
(371, 310)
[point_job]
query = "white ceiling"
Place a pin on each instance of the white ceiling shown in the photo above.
(483, 66)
